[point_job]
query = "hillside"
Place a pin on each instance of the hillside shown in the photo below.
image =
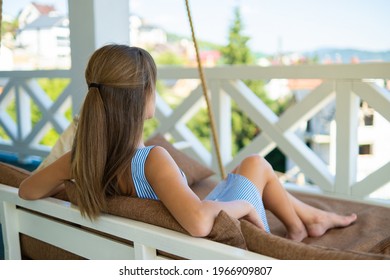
(347, 55)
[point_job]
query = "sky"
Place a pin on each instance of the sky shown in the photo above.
(273, 25)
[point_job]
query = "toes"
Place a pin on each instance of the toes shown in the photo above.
(350, 219)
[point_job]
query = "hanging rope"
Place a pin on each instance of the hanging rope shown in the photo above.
(206, 96)
(1, 17)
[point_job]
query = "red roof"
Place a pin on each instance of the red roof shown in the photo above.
(210, 54)
(43, 9)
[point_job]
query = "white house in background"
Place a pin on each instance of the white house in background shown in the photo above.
(45, 42)
(6, 58)
(277, 88)
(143, 34)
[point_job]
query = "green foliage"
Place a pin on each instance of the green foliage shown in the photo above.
(200, 126)
(243, 129)
(151, 124)
(50, 138)
(204, 45)
(11, 110)
(169, 58)
(53, 89)
(149, 127)
(9, 27)
(3, 134)
(237, 51)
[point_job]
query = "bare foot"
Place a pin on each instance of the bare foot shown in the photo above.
(297, 235)
(324, 221)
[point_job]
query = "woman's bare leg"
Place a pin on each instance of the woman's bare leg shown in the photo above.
(301, 220)
(275, 198)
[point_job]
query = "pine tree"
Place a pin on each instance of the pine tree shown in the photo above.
(237, 51)
(243, 129)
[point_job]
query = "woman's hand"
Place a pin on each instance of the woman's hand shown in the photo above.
(254, 218)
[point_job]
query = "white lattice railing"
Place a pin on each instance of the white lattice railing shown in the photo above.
(342, 85)
(20, 88)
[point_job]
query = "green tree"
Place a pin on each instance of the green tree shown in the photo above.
(9, 27)
(243, 129)
(237, 51)
(169, 58)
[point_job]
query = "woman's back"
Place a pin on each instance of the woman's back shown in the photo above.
(140, 183)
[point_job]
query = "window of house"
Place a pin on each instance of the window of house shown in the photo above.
(365, 149)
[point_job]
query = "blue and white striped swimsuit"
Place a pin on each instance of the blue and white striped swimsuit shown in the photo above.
(141, 184)
(238, 187)
(234, 187)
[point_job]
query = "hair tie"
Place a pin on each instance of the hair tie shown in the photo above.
(95, 85)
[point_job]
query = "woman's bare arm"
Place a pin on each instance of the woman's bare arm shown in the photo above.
(196, 216)
(47, 181)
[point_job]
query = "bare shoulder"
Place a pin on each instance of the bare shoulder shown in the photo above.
(159, 157)
(158, 151)
(160, 166)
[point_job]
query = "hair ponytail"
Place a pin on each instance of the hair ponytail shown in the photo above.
(90, 155)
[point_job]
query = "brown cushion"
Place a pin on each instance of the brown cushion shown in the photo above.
(193, 169)
(383, 247)
(281, 248)
(370, 232)
(203, 187)
(11, 175)
(35, 249)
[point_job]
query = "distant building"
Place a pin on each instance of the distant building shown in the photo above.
(143, 34)
(42, 41)
(45, 42)
(6, 58)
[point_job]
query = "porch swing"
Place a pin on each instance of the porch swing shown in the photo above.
(136, 228)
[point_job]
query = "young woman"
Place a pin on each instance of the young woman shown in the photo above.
(109, 158)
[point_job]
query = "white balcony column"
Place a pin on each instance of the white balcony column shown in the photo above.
(347, 112)
(221, 106)
(93, 23)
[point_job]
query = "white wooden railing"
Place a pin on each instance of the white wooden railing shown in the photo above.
(22, 88)
(345, 85)
(22, 216)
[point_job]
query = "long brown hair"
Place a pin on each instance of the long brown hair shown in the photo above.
(121, 80)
